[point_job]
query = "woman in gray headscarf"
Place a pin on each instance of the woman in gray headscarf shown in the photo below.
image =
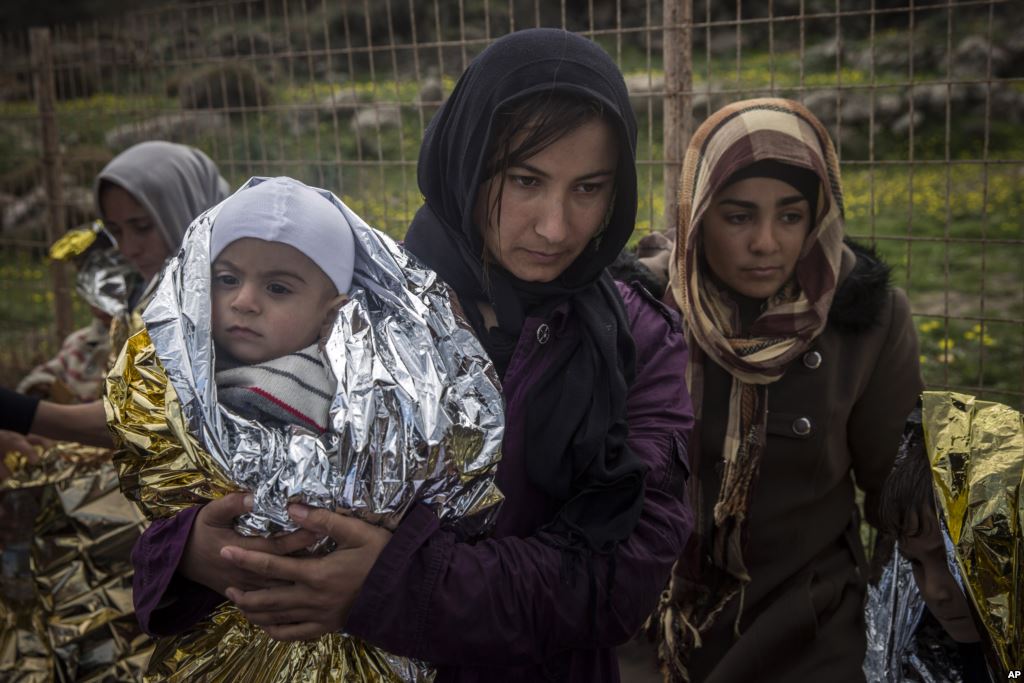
(147, 196)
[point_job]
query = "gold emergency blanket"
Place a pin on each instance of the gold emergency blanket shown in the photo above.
(976, 449)
(65, 576)
(417, 417)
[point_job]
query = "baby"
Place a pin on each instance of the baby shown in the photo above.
(393, 405)
(282, 260)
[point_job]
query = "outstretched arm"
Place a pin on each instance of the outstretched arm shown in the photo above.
(85, 423)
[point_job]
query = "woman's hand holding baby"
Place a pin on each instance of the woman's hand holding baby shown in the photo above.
(204, 560)
(314, 594)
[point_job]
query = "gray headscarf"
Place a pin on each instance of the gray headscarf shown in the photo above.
(174, 183)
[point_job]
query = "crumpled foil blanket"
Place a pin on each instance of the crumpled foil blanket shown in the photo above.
(65, 577)
(417, 417)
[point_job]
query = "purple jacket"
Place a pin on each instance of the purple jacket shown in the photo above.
(496, 610)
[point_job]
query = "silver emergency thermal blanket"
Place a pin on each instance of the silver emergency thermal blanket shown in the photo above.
(417, 417)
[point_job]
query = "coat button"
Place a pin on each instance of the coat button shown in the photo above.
(801, 426)
(543, 333)
(812, 359)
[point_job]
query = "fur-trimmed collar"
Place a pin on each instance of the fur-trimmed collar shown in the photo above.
(861, 296)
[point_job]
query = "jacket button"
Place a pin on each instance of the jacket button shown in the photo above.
(801, 426)
(812, 359)
(543, 333)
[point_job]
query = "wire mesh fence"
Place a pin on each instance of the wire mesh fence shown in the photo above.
(925, 102)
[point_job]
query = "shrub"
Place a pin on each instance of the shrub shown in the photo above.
(228, 85)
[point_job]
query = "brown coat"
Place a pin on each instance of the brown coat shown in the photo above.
(802, 611)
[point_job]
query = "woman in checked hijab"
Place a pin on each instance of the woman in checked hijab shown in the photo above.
(804, 368)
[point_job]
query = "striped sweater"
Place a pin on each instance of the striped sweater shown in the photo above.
(294, 389)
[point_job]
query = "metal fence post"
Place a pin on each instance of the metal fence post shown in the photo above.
(43, 81)
(678, 60)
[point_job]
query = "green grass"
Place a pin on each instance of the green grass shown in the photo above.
(973, 279)
(27, 311)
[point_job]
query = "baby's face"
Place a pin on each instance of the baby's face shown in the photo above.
(268, 300)
(927, 555)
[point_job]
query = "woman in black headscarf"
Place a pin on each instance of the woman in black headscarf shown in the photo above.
(530, 187)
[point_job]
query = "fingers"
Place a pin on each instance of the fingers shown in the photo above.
(266, 565)
(247, 581)
(12, 442)
(290, 613)
(223, 511)
(265, 619)
(285, 544)
(347, 532)
(15, 442)
(296, 632)
(290, 543)
(280, 545)
(40, 441)
(280, 605)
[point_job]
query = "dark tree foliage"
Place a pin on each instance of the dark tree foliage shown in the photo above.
(16, 15)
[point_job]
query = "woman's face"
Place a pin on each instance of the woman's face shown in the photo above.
(552, 204)
(138, 238)
(753, 233)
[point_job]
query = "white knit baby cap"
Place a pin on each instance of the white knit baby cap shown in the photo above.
(287, 211)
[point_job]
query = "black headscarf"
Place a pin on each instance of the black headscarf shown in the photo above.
(575, 441)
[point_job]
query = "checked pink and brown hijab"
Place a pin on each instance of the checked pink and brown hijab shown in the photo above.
(731, 139)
